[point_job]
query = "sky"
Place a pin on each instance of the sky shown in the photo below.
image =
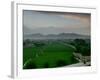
(55, 22)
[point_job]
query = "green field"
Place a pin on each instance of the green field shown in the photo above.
(53, 54)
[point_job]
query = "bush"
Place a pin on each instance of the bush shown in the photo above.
(30, 64)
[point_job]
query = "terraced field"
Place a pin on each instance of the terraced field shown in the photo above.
(53, 54)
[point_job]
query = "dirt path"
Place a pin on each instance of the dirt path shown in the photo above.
(76, 65)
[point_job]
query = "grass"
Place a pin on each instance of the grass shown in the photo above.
(50, 54)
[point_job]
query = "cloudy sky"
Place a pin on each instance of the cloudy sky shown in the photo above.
(55, 22)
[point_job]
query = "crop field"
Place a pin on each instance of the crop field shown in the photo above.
(52, 54)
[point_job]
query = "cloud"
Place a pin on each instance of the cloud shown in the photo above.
(84, 19)
(59, 22)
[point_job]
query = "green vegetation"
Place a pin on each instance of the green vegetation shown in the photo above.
(61, 63)
(82, 47)
(48, 54)
(53, 53)
(30, 64)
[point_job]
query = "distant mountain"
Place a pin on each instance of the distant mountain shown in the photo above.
(69, 34)
(35, 35)
(54, 30)
(56, 36)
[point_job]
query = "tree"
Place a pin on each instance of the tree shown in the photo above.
(79, 44)
(26, 42)
(85, 51)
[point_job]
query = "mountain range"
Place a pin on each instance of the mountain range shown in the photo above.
(56, 36)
